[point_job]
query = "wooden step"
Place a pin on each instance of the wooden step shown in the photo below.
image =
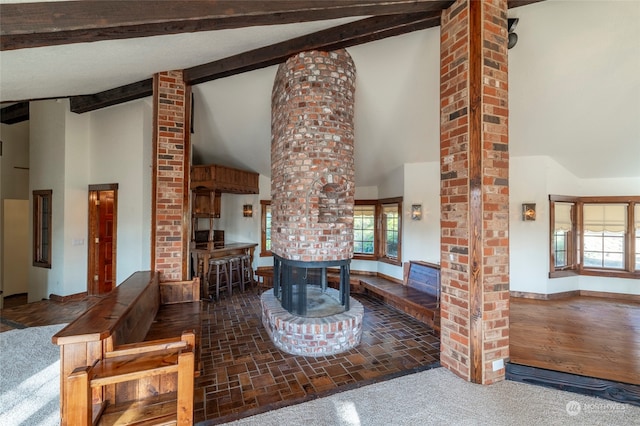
(159, 410)
(135, 366)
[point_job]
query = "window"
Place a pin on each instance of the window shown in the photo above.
(562, 237)
(377, 230)
(42, 228)
(595, 236)
(364, 229)
(265, 226)
(637, 232)
(391, 231)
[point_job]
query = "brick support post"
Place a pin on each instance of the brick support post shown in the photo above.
(474, 163)
(171, 169)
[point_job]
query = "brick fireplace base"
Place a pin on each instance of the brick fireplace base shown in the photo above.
(305, 336)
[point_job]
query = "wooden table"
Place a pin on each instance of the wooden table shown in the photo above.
(201, 257)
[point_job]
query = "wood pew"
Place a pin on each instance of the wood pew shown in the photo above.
(121, 325)
(417, 295)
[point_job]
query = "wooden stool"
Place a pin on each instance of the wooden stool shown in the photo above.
(221, 271)
(235, 272)
(247, 271)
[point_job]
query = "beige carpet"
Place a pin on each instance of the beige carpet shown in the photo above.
(438, 397)
(30, 377)
(30, 392)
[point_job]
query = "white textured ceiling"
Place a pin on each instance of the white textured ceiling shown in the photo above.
(574, 88)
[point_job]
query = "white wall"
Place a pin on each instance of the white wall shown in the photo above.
(120, 152)
(421, 238)
(75, 202)
(532, 180)
(47, 171)
(573, 77)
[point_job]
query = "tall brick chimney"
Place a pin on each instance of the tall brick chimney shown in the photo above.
(312, 174)
(312, 199)
(312, 165)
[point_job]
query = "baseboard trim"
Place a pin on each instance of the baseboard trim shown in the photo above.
(542, 296)
(574, 293)
(62, 299)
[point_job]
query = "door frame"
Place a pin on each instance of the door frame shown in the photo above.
(93, 232)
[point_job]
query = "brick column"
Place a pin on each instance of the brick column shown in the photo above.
(474, 164)
(171, 168)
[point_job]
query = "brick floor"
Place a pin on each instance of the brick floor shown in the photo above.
(243, 373)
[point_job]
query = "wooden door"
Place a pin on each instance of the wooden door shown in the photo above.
(102, 238)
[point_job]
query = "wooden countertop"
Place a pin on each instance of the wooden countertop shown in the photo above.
(227, 247)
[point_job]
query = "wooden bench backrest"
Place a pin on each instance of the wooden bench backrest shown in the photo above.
(423, 276)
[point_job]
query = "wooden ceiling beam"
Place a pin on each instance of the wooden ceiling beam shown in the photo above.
(351, 34)
(118, 95)
(342, 36)
(15, 113)
(26, 25)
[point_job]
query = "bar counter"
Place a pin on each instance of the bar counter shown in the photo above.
(201, 256)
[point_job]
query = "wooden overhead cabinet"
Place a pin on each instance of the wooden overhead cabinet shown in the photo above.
(206, 204)
(214, 177)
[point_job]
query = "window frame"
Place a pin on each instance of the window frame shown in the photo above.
(576, 266)
(380, 243)
(264, 206)
(42, 223)
(379, 251)
(376, 237)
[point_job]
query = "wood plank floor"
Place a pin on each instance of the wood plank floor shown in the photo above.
(588, 336)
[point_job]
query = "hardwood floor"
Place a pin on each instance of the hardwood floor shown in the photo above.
(588, 336)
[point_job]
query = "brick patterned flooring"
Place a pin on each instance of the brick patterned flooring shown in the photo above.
(243, 373)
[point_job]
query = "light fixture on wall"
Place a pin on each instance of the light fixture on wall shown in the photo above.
(247, 210)
(512, 23)
(529, 211)
(416, 211)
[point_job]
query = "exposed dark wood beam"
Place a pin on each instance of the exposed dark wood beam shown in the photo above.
(363, 31)
(25, 25)
(518, 3)
(351, 34)
(130, 92)
(15, 113)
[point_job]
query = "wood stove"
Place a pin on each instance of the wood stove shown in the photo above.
(301, 287)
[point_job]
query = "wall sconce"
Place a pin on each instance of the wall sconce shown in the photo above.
(529, 211)
(512, 23)
(416, 211)
(247, 210)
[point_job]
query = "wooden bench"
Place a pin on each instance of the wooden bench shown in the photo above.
(132, 355)
(418, 295)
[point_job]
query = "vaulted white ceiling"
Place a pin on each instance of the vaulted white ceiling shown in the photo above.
(574, 88)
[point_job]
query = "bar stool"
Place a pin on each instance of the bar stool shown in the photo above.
(235, 272)
(221, 272)
(247, 271)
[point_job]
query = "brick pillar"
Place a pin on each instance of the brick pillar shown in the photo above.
(171, 167)
(474, 163)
